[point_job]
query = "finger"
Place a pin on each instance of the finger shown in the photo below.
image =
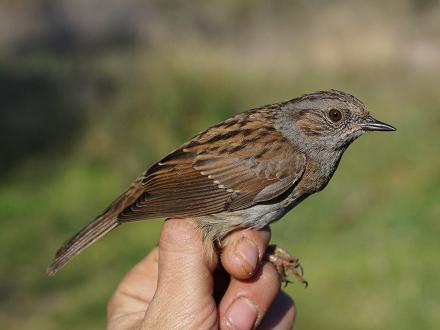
(243, 251)
(182, 262)
(281, 314)
(246, 302)
(185, 283)
(136, 290)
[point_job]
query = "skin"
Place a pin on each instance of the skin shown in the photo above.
(245, 172)
(173, 287)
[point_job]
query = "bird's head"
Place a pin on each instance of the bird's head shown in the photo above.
(330, 120)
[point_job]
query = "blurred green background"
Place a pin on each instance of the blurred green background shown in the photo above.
(93, 92)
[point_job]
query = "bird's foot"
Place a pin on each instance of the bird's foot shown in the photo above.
(285, 264)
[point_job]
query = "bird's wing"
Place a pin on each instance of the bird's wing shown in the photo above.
(221, 169)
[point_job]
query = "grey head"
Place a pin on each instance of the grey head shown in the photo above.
(327, 120)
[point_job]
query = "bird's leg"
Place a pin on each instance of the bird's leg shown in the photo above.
(285, 264)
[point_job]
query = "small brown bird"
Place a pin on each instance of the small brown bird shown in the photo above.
(247, 171)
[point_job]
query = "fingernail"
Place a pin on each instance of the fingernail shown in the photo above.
(248, 252)
(242, 314)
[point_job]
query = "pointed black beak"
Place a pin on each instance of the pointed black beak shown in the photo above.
(371, 124)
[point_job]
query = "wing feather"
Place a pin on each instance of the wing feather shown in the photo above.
(218, 171)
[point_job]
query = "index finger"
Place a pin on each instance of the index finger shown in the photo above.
(243, 251)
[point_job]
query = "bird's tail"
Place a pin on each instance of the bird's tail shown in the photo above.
(97, 228)
(87, 236)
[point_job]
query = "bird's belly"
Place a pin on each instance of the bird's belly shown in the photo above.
(217, 226)
(259, 216)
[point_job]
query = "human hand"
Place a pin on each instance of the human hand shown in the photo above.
(175, 287)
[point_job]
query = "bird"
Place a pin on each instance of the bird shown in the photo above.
(247, 171)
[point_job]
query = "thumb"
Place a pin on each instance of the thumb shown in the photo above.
(185, 283)
(182, 262)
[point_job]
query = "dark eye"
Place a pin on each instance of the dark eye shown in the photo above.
(335, 115)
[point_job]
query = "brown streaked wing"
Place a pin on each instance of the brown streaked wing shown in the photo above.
(230, 166)
(173, 188)
(257, 173)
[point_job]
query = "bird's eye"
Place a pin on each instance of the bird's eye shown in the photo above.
(335, 115)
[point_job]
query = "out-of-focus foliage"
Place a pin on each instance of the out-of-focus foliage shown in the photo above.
(93, 92)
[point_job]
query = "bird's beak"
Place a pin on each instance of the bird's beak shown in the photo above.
(371, 124)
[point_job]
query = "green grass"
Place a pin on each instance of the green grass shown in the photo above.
(369, 242)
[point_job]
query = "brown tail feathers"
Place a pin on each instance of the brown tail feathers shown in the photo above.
(87, 236)
(100, 226)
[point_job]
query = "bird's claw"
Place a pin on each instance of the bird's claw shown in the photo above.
(285, 263)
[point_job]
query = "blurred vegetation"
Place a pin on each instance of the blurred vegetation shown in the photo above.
(92, 93)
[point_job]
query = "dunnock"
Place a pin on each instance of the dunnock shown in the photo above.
(247, 171)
